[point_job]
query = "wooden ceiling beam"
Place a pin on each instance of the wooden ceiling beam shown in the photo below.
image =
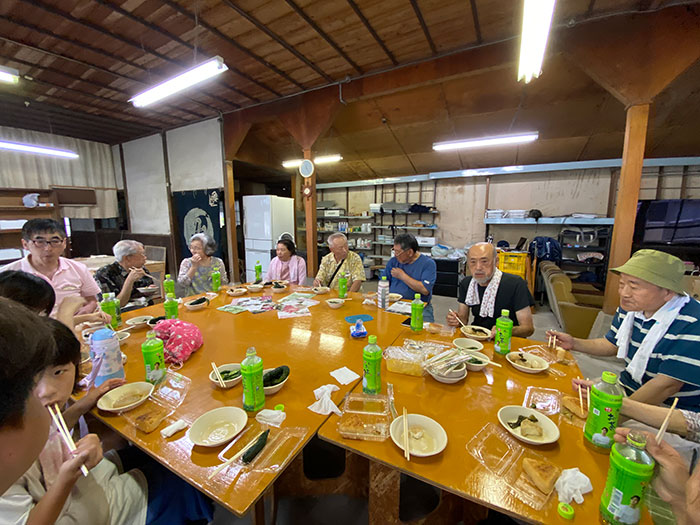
(299, 11)
(213, 30)
(136, 45)
(372, 32)
(274, 36)
(423, 25)
(477, 26)
(312, 117)
(175, 38)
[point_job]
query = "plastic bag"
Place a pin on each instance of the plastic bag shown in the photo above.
(180, 339)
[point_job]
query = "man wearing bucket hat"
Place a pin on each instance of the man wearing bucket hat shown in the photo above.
(656, 331)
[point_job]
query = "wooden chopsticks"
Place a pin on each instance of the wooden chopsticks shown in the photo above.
(218, 375)
(664, 425)
(60, 423)
(236, 456)
(406, 445)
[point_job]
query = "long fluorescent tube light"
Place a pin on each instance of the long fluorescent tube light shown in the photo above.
(324, 159)
(189, 78)
(501, 140)
(38, 150)
(537, 20)
(9, 75)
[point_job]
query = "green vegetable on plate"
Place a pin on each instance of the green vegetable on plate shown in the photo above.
(255, 448)
(276, 376)
(227, 375)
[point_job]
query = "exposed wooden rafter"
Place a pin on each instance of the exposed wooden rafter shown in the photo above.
(423, 25)
(477, 26)
(372, 32)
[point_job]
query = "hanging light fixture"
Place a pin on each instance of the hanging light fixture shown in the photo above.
(500, 140)
(537, 21)
(9, 75)
(324, 159)
(189, 78)
(38, 150)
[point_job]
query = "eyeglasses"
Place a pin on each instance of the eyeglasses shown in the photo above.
(41, 243)
(397, 254)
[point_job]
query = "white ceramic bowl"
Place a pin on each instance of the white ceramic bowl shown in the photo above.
(153, 322)
(320, 290)
(278, 290)
(466, 331)
(430, 425)
(227, 367)
(255, 288)
(454, 376)
(194, 307)
(470, 345)
(269, 390)
(138, 320)
(550, 432)
(141, 389)
(148, 290)
(235, 292)
(393, 297)
(218, 426)
(474, 367)
(122, 336)
(335, 303)
(541, 364)
(283, 282)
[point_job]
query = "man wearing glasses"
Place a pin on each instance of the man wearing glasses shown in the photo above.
(45, 240)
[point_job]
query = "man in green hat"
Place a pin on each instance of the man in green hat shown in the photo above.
(656, 331)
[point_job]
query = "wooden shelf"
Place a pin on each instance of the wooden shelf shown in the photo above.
(555, 221)
(15, 231)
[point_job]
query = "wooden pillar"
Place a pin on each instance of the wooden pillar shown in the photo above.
(232, 237)
(310, 213)
(627, 197)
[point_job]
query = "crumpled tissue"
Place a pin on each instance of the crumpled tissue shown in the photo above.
(344, 375)
(271, 417)
(573, 484)
(324, 404)
(371, 302)
(171, 430)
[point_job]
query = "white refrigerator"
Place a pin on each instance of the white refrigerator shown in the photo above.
(265, 219)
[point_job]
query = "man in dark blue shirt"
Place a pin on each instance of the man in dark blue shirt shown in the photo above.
(410, 272)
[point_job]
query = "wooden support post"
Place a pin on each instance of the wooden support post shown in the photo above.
(310, 213)
(628, 195)
(230, 210)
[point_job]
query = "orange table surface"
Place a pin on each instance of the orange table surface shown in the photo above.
(311, 346)
(463, 409)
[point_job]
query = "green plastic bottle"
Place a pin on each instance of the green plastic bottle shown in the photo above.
(170, 305)
(258, 272)
(108, 306)
(215, 280)
(504, 333)
(343, 286)
(153, 358)
(118, 310)
(417, 314)
(371, 367)
(631, 470)
(252, 372)
(606, 401)
(168, 285)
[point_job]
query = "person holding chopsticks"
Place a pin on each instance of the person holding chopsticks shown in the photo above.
(127, 273)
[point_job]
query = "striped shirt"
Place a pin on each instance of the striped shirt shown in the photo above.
(676, 355)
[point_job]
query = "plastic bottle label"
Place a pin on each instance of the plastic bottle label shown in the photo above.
(170, 308)
(416, 317)
(154, 360)
(372, 365)
(342, 287)
(215, 281)
(602, 418)
(623, 496)
(253, 393)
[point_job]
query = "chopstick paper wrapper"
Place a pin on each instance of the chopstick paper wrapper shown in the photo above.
(170, 430)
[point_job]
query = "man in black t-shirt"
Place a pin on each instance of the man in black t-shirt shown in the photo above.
(488, 291)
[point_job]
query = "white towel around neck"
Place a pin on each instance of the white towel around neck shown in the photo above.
(664, 316)
(489, 301)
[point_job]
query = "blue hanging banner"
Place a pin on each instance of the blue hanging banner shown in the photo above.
(198, 211)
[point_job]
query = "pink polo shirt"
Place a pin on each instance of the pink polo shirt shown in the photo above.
(71, 278)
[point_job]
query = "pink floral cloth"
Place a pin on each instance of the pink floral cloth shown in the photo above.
(180, 339)
(295, 268)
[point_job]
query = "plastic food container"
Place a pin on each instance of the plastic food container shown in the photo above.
(403, 361)
(365, 417)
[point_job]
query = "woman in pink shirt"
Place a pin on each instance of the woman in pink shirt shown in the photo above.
(287, 265)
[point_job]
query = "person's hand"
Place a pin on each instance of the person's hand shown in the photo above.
(88, 452)
(134, 275)
(584, 384)
(398, 273)
(71, 304)
(565, 341)
(195, 260)
(670, 482)
(96, 393)
(692, 498)
(492, 336)
(98, 317)
(317, 283)
(453, 319)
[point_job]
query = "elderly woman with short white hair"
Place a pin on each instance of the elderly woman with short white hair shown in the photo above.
(126, 274)
(195, 272)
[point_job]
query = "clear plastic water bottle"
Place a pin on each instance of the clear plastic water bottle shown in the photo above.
(258, 272)
(417, 314)
(343, 286)
(631, 470)
(153, 358)
(504, 333)
(371, 367)
(606, 401)
(383, 293)
(168, 285)
(252, 372)
(215, 280)
(170, 306)
(108, 306)
(106, 356)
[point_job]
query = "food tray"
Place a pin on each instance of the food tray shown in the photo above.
(365, 417)
(402, 361)
(547, 354)
(544, 400)
(279, 449)
(166, 397)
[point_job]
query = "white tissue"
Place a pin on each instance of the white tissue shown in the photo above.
(344, 375)
(324, 404)
(273, 418)
(370, 302)
(174, 428)
(573, 484)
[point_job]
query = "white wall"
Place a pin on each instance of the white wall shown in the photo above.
(117, 160)
(195, 158)
(145, 183)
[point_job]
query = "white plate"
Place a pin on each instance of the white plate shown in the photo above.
(393, 297)
(255, 288)
(278, 290)
(320, 290)
(470, 345)
(542, 365)
(148, 290)
(228, 383)
(465, 331)
(218, 426)
(448, 380)
(430, 425)
(194, 307)
(550, 432)
(140, 319)
(269, 390)
(142, 389)
(335, 303)
(123, 335)
(235, 292)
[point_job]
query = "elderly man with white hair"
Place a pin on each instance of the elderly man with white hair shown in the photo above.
(126, 274)
(341, 261)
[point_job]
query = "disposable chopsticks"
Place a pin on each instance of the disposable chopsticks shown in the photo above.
(60, 423)
(406, 451)
(664, 425)
(457, 316)
(235, 456)
(218, 375)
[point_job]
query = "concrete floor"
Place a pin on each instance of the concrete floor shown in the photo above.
(341, 510)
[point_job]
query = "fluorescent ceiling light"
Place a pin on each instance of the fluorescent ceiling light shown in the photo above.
(324, 159)
(9, 75)
(38, 150)
(502, 140)
(537, 20)
(197, 74)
